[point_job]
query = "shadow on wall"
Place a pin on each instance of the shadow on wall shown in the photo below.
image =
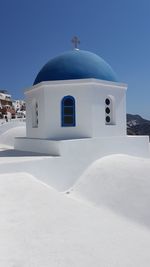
(16, 153)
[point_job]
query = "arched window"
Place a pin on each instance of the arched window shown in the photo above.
(110, 110)
(68, 111)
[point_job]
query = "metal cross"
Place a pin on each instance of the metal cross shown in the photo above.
(75, 41)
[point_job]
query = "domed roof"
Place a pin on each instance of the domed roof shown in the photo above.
(76, 64)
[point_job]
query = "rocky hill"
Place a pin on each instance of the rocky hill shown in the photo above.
(136, 125)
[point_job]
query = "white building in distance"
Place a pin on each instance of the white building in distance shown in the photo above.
(5, 98)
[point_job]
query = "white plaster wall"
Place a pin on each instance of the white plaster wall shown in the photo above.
(38, 95)
(37, 145)
(99, 94)
(76, 156)
(100, 147)
(83, 127)
(90, 95)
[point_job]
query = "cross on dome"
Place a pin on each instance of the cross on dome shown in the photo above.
(75, 40)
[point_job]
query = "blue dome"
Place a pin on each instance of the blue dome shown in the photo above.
(76, 64)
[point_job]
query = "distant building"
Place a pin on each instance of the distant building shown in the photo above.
(19, 105)
(11, 108)
(5, 98)
(6, 108)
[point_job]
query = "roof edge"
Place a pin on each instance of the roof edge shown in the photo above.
(78, 81)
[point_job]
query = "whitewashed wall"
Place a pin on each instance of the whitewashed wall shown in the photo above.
(90, 95)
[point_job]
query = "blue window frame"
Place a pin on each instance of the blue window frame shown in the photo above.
(68, 111)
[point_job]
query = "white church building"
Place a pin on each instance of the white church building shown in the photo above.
(76, 110)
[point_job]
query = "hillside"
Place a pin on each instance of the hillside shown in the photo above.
(136, 125)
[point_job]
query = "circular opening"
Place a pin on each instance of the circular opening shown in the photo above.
(107, 110)
(107, 119)
(107, 101)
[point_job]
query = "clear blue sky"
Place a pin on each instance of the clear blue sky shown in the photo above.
(33, 31)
